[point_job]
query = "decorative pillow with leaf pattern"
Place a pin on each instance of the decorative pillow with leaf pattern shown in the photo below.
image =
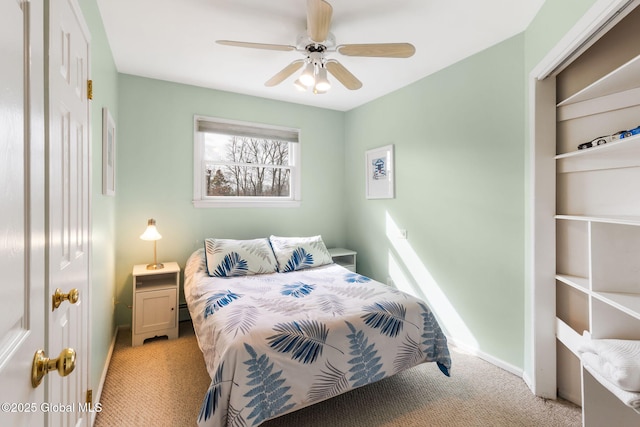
(228, 258)
(297, 253)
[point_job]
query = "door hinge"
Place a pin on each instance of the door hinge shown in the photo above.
(89, 397)
(89, 89)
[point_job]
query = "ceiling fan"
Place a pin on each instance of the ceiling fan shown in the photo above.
(315, 44)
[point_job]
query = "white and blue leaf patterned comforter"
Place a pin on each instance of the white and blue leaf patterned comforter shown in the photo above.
(275, 343)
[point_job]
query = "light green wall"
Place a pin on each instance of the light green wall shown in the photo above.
(155, 174)
(458, 158)
(103, 219)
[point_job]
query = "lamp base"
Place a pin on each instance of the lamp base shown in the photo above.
(155, 266)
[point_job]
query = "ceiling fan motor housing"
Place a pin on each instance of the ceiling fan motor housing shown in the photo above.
(304, 43)
(316, 58)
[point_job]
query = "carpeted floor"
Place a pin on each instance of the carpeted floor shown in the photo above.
(162, 383)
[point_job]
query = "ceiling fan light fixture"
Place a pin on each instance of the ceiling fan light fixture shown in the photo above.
(322, 82)
(307, 78)
(299, 85)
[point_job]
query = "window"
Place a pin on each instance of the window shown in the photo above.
(239, 164)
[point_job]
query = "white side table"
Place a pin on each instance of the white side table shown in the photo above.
(155, 302)
(344, 257)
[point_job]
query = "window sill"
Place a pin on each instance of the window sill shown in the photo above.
(246, 203)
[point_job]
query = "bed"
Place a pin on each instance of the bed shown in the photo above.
(282, 331)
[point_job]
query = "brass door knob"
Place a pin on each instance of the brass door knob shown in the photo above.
(58, 297)
(42, 365)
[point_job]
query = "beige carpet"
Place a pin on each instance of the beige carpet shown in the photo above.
(162, 383)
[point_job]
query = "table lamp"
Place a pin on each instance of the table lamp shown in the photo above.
(151, 233)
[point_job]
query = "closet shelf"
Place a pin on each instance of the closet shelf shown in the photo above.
(626, 302)
(623, 78)
(623, 153)
(568, 336)
(609, 219)
(579, 283)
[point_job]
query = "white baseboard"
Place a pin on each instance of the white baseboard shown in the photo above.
(528, 382)
(103, 377)
(487, 357)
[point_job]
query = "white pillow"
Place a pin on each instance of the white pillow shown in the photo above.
(227, 257)
(296, 253)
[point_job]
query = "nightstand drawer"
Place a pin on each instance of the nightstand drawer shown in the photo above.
(155, 310)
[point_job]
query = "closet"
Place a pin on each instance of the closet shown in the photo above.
(597, 221)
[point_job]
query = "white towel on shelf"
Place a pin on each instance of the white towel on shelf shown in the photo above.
(627, 397)
(616, 360)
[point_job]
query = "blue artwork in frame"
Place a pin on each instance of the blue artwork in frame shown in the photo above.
(379, 173)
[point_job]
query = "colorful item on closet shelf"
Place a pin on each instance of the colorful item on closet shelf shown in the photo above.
(618, 135)
(630, 132)
(609, 138)
(595, 142)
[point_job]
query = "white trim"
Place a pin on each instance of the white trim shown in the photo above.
(486, 357)
(103, 377)
(231, 203)
(542, 379)
(198, 150)
(527, 380)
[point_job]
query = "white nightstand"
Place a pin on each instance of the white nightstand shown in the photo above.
(344, 257)
(155, 302)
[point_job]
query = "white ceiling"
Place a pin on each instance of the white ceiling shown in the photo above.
(174, 40)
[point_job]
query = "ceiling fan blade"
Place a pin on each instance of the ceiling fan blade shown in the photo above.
(284, 73)
(318, 19)
(343, 75)
(381, 50)
(266, 46)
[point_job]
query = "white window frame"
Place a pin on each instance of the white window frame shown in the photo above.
(201, 200)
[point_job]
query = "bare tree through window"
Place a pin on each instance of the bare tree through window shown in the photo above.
(247, 167)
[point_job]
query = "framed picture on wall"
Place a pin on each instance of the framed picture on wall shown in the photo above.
(379, 172)
(108, 154)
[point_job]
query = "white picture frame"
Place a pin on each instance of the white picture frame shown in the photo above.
(379, 173)
(108, 154)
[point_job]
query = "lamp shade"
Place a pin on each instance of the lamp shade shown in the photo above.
(151, 233)
(299, 85)
(322, 83)
(307, 78)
